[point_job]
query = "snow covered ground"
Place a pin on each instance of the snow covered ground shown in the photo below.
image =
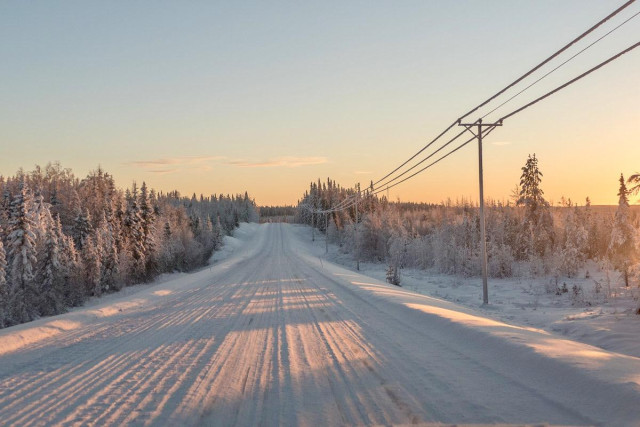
(600, 311)
(276, 335)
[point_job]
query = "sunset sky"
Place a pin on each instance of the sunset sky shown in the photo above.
(266, 96)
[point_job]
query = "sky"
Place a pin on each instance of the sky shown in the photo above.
(223, 97)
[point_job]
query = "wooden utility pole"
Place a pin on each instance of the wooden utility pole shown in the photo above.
(483, 234)
(356, 232)
(326, 232)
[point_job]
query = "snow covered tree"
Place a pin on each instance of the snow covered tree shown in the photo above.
(5, 205)
(4, 291)
(590, 223)
(135, 236)
(72, 286)
(500, 259)
(109, 253)
(49, 276)
(624, 237)
(537, 233)
(217, 234)
(393, 275)
(147, 225)
(22, 255)
(572, 253)
(398, 253)
(92, 263)
(81, 228)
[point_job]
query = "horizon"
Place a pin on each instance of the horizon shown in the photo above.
(634, 200)
(216, 98)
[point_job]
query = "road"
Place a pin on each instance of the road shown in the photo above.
(275, 336)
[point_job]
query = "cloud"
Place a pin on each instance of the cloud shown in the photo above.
(163, 171)
(501, 143)
(363, 172)
(286, 162)
(183, 161)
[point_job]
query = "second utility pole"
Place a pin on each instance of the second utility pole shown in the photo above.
(483, 232)
(326, 232)
(356, 229)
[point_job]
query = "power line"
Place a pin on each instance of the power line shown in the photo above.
(602, 64)
(561, 65)
(515, 82)
(418, 153)
(586, 73)
(433, 163)
(565, 47)
(421, 161)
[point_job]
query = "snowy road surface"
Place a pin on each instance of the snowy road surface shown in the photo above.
(274, 336)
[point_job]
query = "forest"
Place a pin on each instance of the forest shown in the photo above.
(526, 235)
(65, 239)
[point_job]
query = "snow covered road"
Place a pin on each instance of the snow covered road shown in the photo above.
(274, 336)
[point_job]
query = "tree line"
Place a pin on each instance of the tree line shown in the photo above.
(64, 239)
(525, 235)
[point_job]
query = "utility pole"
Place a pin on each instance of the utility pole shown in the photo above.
(326, 232)
(356, 232)
(483, 234)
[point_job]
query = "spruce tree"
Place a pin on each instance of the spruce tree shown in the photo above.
(624, 237)
(147, 224)
(81, 228)
(5, 205)
(92, 262)
(217, 234)
(538, 234)
(49, 270)
(4, 291)
(135, 235)
(109, 250)
(167, 230)
(591, 225)
(72, 286)
(22, 255)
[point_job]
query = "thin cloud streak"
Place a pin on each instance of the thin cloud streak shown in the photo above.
(163, 171)
(286, 162)
(500, 143)
(186, 160)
